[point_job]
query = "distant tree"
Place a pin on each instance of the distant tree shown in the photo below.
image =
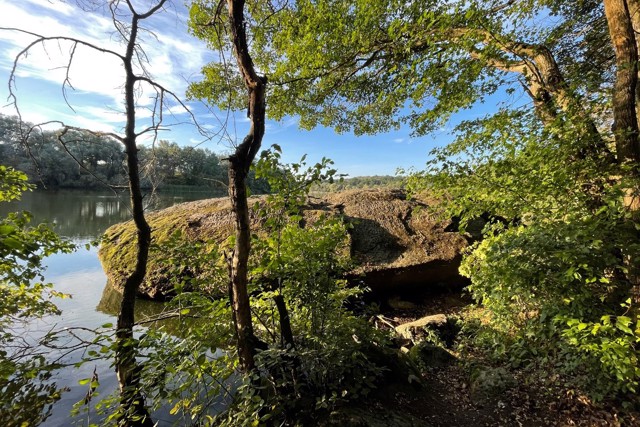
(356, 182)
(85, 159)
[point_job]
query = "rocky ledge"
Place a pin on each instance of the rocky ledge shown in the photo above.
(396, 244)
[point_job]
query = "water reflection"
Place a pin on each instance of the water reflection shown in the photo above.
(145, 310)
(84, 216)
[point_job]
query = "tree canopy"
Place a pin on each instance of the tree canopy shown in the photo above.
(553, 164)
(369, 66)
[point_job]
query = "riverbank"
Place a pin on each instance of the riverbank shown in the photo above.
(451, 384)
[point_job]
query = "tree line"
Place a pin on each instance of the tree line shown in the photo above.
(83, 159)
(358, 182)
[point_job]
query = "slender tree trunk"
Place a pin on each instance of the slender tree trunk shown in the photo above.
(286, 333)
(239, 262)
(133, 412)
(625, 122)
(634, 15)
(239, 164)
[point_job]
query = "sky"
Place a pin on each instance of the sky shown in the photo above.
(93, 98)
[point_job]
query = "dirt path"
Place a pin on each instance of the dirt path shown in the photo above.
(445, 398)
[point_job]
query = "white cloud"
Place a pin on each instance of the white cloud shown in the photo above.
(93, 124)
(172, 53)
(56, 6)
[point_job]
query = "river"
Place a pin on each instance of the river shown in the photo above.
(82, 217)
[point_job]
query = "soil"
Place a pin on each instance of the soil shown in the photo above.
(445, 398)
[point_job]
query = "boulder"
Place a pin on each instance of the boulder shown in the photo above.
(412, 330)
(396, 244)
(444, 329)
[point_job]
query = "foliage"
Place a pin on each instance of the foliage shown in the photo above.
(554, 265)
(613, 344)
(168, 164)
(189, 266)
(51, 164)
(304, 383)
(357, 182)
(299, 260)
(369, 66)
(89, 161)
(26, 389)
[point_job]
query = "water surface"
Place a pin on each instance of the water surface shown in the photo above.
(82, 217)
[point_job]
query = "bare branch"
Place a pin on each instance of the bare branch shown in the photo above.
(67, 80)
(63, 143)
(41, 38)
(150, 11)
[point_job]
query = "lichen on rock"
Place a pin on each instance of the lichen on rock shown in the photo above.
(395, 242)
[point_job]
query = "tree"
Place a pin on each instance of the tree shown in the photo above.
(207, 22)
(132, 407)
(559, 277)
(625, 124)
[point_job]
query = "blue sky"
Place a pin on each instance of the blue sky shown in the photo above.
(175, 59)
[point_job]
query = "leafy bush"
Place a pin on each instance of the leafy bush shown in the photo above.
(316, 354)
(556, 267)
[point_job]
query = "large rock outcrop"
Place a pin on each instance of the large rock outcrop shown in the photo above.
(396, 243)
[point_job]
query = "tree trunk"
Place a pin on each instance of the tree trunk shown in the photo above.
(239, 164)
(286, 333)
(239, 263)
(625, 122)
(634, 14)
(550, 93)
(133, 412)
(621, 15)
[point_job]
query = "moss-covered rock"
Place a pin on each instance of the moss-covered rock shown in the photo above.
(395, 243)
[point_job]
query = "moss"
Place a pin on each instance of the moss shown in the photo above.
(118, 249)
(388, 234)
